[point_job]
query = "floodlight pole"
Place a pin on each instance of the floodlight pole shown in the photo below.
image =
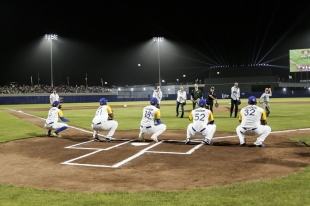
(51, 37)
(158, 39)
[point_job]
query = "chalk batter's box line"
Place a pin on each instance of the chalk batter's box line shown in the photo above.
(69, 162)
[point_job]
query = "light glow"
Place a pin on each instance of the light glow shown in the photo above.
(51, 36)
(158, 38)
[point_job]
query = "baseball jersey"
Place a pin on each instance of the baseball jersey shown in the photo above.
(201, 117)
(181, 96)
(235, 93)
(158, 95)
(265, 97)
(53, 115)
(149, 114)
(54, 97)
(251, 116)
(102, 114)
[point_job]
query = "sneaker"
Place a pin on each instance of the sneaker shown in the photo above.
(141, 137)
(108, 139)
(187, 141)
(261, 145)
(96, 139)
(207, 142)
(53, 134)
(241, 145)
(155, 139)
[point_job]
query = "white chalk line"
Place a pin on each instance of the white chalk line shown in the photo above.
(69, 162)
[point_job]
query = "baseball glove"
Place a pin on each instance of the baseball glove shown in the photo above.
(216, 104)
(239, 102)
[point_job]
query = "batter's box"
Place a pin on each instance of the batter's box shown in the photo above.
(175, 147)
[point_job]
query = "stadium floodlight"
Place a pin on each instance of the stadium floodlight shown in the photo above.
(51, 37)
(158, 39)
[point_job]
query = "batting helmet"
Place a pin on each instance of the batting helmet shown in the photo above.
(154, 101)
(202, 103)
(252, 100)
(103, 101)
(55, 104)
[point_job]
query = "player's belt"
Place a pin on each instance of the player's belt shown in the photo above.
(148, 127)
(200, 130)
(51, 123)
(97, 123)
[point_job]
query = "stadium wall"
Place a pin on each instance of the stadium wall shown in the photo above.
(6, 99)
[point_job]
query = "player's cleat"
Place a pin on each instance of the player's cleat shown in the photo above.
(141, 137)
(207, 142)
(155, 139)
(261, 145)
(58, 135)
(187, 141)
(108, 139)
(48, 134)
(53, 134)
(241, 145)
(96, 139)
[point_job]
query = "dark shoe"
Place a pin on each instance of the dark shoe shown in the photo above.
(177, 115)
(241, 145)
(181, 117)
(207, 142)
(261, 145)
(187, 141)
(108, 139)
(96, 139)
(230, 115)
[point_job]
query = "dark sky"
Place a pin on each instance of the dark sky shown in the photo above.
(108, 39)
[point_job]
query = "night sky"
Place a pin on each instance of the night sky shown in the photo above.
(108, 39)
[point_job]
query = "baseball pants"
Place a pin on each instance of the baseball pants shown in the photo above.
(110, 125)
(262, 131)
(206, 132)
(155, 130)
(55, 126)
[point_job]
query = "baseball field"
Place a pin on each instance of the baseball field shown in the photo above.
(75, 170)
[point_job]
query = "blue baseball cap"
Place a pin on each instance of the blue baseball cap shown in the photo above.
(103, 101)
(55, 104)
(252, 100)
(154, 101)
(202, 103)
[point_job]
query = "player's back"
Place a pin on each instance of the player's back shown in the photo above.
(148, 115)
(200, 118)
(52, 115)
(251, 116)
(101, 114)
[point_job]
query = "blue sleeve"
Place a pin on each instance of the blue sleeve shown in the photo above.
(159, 121)
(63, 119)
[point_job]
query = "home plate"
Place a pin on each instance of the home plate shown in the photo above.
(139, 143)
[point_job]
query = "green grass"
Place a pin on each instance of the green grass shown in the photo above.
(289, 190)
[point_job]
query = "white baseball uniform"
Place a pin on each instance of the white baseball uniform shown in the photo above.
(235, 93)
(201, 117)
(100, 122)
(251, 117)
(52, 119)
(147, 126)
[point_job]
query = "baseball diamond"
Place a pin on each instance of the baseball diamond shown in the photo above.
(76, 163)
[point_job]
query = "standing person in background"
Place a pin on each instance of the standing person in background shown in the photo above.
(158, 95)
(181, 100)
(54, 97)
(150, 114)
(265, 100)
(104, 120)
(52, 120)
(234, 99)
(196, 95)
(211, 98)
